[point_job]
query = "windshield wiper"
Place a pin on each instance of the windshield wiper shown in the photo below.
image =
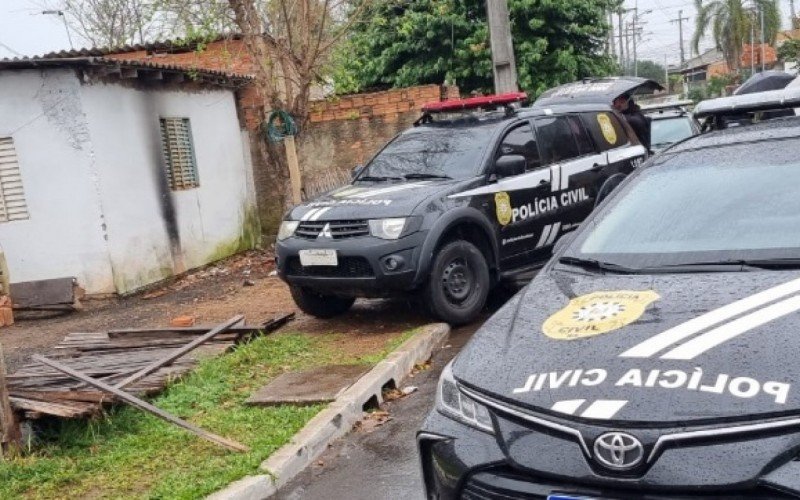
(376, 178)
(596, 265)
(778, 263)
(426, 176)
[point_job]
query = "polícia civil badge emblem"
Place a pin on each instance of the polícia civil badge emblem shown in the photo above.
(502, 203)
(607, 128)
(598, 312)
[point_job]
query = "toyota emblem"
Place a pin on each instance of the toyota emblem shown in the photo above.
(618, 451)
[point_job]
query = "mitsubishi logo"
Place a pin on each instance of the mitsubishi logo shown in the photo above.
(326, 232)
(618, 451)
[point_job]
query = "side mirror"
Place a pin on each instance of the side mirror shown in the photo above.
(356, 170)
(509, 165)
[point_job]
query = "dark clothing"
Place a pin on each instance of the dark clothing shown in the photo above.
(639, 123)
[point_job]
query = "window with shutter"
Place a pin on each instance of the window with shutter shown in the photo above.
(176, 142)
(12, 196)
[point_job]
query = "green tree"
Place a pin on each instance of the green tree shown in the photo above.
(790, 51)
(729, 24)
(651, 70)
(413, 42)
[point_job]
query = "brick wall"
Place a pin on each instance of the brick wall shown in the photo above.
(222, 55)
(347, 131)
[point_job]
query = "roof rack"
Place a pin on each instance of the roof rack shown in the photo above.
(666, 105)
(486, 102)
(770, 100)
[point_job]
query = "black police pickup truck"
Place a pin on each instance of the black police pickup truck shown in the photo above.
(453, 205)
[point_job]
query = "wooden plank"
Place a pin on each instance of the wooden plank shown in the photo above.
(43, 293)
(10, 434)
(158, 363)
(143, 405)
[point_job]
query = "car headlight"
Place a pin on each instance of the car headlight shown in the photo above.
(287, 229)
(453, 403)
(387, 229)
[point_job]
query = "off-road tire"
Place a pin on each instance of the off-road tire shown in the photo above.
(459, 283)
(320, 305)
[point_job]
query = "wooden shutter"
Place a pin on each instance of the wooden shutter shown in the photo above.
(176, 140)
(12, 196)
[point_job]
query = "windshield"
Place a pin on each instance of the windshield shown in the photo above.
(668, 131)
(430, 151)
(713, 205)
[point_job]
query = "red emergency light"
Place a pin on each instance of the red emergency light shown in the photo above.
(485, 101)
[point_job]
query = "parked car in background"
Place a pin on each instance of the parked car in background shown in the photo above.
(669, 123)
(454, 205)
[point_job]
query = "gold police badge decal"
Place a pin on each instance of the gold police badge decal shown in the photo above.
(502, 203)
(607, 128)
(597, 313)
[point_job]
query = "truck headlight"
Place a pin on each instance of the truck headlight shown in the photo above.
(287, 229)
(387, 229)
(453, 403)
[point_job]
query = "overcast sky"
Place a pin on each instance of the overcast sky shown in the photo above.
(25, 31)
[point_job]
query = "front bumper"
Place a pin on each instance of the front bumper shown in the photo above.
(361, 271)
(461, 462)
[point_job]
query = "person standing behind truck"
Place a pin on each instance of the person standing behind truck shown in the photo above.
(633, 114)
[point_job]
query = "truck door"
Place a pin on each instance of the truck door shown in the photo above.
(574, 163)
(516, 225)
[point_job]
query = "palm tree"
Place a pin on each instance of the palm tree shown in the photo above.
(730, 22)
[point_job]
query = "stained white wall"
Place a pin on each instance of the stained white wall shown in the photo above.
(43, 113)
(109, 136)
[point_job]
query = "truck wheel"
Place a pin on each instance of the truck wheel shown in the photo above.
(459, 283)
(319, 305)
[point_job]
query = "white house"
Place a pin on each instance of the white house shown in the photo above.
(120, 174)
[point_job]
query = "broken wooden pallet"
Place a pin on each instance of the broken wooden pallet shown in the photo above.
(114, 357)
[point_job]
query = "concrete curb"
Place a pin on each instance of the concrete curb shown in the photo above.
(336, 420)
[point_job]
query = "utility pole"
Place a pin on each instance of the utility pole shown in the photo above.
(761, 13)
(633, 35)
(666, 74)
(680, 21)
(752, 44)
(503, 64)
(621, 53)
(627, 47)
(793, 13)
(611, 46)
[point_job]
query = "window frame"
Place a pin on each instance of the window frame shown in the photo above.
(167, 155)
(9, 175)
(510, 129)
(564, 116)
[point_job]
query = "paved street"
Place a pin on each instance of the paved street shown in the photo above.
(381, 463)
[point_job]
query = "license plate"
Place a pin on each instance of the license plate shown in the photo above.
(318, 257)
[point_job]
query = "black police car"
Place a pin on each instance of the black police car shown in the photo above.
(655, 355)
(453, 205)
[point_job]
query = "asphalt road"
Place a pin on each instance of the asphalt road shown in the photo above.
(380, 463)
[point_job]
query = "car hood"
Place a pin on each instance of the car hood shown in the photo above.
(370, 201)
(644, 348)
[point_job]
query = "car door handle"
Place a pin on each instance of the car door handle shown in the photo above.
(596, 168)
(544, 182)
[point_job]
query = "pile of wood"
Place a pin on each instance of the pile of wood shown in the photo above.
(140, 361)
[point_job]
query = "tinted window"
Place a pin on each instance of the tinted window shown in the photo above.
(606, 130)
(555, 139)
(449, 151)
(521, 141)
(736, 202)
(585, 145)
(668, 131)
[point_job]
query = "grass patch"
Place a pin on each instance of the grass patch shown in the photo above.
(131, 454)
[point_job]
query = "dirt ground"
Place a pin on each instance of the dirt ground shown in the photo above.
(242, 284)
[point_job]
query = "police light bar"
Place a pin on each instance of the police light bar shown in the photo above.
(770, 100)
(485, 101)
